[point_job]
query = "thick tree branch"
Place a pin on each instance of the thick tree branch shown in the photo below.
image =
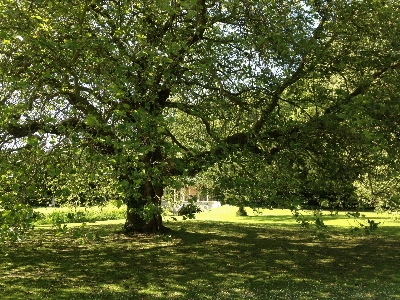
(192, 110)
(175, 140)
(362, 88)
(201, 25)
(296, 76)
(236, 142)
(31, 127)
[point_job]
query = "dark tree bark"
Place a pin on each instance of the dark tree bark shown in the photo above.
(135, 219)
(151, 192)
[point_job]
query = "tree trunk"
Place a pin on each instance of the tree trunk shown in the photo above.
(135, 220)
(151, 192)
(241, 212)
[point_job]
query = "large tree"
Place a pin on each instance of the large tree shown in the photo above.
(157, 90)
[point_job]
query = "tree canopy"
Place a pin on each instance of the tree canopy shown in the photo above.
(139, 95)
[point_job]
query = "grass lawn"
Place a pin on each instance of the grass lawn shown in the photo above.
(216, 256)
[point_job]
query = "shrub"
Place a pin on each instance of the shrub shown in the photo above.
(189, 210)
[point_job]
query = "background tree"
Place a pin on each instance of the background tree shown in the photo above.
(159, 90)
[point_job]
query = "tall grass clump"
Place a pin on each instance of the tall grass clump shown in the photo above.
(60, 215)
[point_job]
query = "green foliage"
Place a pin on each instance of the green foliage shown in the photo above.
(368, 225)
(189, 211)
(276, 101)
(14, 223)
(151, 210)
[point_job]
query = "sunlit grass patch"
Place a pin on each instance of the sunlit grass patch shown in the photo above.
(340, 219)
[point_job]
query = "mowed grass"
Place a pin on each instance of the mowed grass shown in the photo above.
(217, 256)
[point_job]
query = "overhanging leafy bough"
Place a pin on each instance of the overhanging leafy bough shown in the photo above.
(161, 91)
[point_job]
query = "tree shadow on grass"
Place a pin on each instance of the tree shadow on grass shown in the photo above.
(205, 260)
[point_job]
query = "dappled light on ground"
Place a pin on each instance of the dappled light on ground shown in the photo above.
(205, 260)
